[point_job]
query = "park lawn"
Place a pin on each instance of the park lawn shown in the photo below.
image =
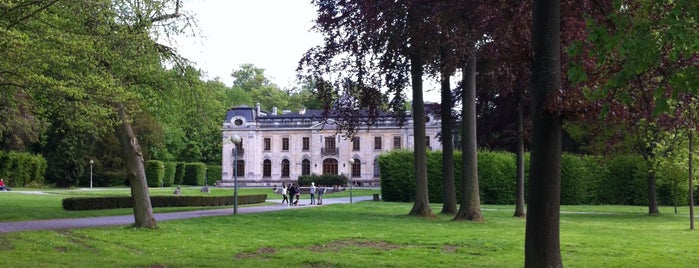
(17, 205)
(364, 234)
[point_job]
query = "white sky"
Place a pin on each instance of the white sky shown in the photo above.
(271, 34)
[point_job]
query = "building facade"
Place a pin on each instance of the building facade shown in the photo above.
(277, 148)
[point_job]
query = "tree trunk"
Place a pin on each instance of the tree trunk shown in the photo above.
(448, 186)
(691, 176)
(519, 202)
(652, 196)
(422, 198)
(142, 209)
(470, 208)
(542, 239)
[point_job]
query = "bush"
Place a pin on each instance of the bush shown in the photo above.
(497, 177)
(179, 173)
(169, 176)
(194, 174)
(213, 173)
(155, 172)
(624, 183)
(20, 169)
(92, 203)
(325, 179)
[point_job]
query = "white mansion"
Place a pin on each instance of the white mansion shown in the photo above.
(276, 148)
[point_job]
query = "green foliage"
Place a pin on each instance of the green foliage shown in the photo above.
(155, 172)
(169, 175)
(194, 174)
(214, 173)
(20, 169)
(325, 179)
(92, 203)
(179, 173)
(625, 183)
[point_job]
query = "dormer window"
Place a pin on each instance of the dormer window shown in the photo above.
(238, 122)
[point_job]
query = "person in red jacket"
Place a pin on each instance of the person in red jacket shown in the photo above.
(2, 185)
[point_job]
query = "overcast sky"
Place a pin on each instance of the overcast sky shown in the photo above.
(271, 34)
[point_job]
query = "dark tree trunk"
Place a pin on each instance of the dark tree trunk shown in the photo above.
(691, 176)
(133, 158)
(448, 186)
(542, 239)
(652, 196)
(470, 208)
(421, 207)
(519, 202)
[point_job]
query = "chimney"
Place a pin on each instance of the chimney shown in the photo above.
(286, 111)
(302, 110)
(257, 106)
(274, 110)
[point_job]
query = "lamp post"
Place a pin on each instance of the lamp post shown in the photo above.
(91, 163)
(236, 141)
(351, 163)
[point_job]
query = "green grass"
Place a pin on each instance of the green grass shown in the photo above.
(365, 234)
(48, 204)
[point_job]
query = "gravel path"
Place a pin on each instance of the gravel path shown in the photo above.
(55, 224)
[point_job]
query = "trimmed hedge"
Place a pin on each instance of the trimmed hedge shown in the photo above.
(155, 172)
(214, 173)
(179, 173)
(169, 176)
(20, 169)
(94, 203)
(325, 179)
(584, 179)
(194, 174)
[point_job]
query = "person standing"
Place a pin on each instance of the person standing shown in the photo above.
(321, 191)
(284, 192)
(312, 191)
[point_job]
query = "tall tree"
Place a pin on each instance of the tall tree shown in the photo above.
(542, 241)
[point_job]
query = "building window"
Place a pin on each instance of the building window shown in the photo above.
(306, 143)
(427, 143)
(330, 166)
(396, 142)
(329, 149)
(330, 143)
(355, 144)
(268, 144)
(241, 168)
(377, 143)
(267, 168)
(376, 168)
(306, 167)
(285, 144)
(285, 168)
(356, 168)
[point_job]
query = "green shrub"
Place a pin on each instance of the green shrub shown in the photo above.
(169, 176)
(155, 172)
(194, 174)
(624, 182)
(497, 177)
(20, 169)
(179, 173)
(213, 174)
(93, 203)
(325, 179)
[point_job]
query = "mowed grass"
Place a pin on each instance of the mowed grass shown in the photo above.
(18, 205)
(364, 234)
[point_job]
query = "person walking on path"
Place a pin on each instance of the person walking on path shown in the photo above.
(284, 192)
(320, 192)
(312, 191)
(292, 193)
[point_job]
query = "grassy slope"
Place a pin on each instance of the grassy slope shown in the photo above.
(365, 234)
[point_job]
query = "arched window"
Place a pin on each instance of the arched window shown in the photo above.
(241, 168)
(330, 166)
(376, 168)
(306, 167)
(356, 168)
(267, 168)
(285, 168)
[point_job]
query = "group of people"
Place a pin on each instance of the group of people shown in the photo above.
(3, 187)
(292, 193)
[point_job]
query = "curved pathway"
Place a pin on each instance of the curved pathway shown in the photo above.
(55, 224)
